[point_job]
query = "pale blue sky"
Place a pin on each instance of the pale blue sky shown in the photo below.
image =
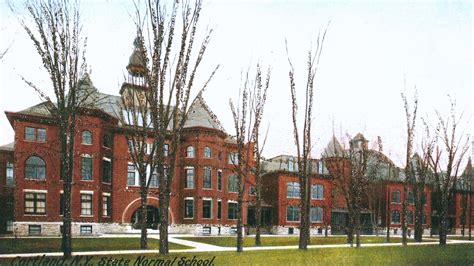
(370, 47)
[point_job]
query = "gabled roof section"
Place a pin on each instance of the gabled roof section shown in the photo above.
(333, 149)
(39, 109)
(200, 115)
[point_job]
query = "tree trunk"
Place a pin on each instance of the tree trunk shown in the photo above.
(305, 207)
(65, 170)
(143, 220)
(470, 213)
(350, 229)
(240, 239)
(404, 215)
(357, 227)
(443, 220)
(258, 215)
(418, 194)
(164, 214)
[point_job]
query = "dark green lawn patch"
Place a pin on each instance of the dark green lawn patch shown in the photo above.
(462, 254)
(37, 245)
(249, 241)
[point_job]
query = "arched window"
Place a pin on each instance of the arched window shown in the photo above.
(395, 217)
(86, 137)
(35, 168)
(207, 152)
(190, 152)
(396, 196)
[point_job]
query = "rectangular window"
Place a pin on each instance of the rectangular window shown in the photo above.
(34, 229)
(233, 184)
(188, 208)
(190, 178)
(106, 171)
(9, 174)
(233, 158)
(86, 168)
(9, 227)
(86, 204)
(30, 133)
(232, 207)
(317, 214)
(293, 190)
(35, 203)
(154, 180)
(41, 134)
(207, 180)
(86, 229)
(207, 209)
(61, 204)
(251, 190)
(219, 180)
(293, 213)
(106, 206)
(317, 191)
(410, 197)
(131, 175)
(219, 210)
(166, 149)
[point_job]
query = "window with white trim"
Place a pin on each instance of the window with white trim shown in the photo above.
(233, 183)
(207, 152)
(233, 209)
(316, 214)
(35, 203)
(86, 168)
(207, 180)
(190, 152)
(35, 168)
(317, 191)
(207, 209)
(189, 208)
(86, 204)
(190, 177)
(292, 213)
(395, 217)
(86, 137)
(131, 175)
(9, 174)
(293, 190)
(106, 205)
(86, 229)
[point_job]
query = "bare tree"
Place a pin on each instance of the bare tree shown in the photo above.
(258, 99)
(137, 127)
(247, 119)
(445, 163)
(303, 142)
(55, 30)
(170, 84)
(464, 188)
(409, 170)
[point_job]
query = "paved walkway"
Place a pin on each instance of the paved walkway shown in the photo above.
(201, 247)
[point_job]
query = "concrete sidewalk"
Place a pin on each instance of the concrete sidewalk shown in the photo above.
(201, 247)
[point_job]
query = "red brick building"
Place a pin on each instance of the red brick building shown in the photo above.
(105, 192)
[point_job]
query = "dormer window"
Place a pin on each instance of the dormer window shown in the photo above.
(291, 164)
(190, 152)
(86, 137)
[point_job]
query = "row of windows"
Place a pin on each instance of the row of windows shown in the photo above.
(133, 176)
(232, 185)
(35, 168)
(35, 203)
(396, 217)
(39, 134)
(35, 229)
(138, 146)
(207, 208)
(396, 197)
(191, 153)
(293, 214)
(293, 190)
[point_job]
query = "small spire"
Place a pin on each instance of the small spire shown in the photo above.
(137, 62)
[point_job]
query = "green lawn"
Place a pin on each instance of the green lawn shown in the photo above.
(287, 240)
(462, 254)
(34, 245)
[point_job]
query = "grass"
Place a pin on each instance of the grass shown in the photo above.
(461, 254)
(288, 240)
(39, 245)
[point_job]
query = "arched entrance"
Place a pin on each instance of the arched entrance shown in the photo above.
(152, 217)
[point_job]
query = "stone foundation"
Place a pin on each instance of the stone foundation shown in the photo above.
(292, 230)
(54, 228)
